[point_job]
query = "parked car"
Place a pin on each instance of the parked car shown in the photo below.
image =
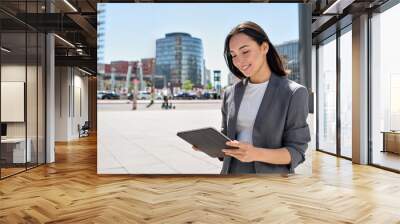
(144, 95)
(210, 95)
(100, 94)
(130, 96)
(159, 96)
(185, 96)
(107, 95)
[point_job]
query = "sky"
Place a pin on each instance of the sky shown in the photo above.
(131, 29)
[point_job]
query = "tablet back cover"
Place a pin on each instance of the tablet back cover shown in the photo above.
(207, 140)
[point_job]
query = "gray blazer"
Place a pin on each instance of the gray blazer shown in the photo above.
(280, 121)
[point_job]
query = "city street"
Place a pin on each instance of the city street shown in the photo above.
(126, 105)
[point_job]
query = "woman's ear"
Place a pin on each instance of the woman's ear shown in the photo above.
(265, 47)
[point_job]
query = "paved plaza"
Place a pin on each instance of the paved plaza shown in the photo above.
(144, 141)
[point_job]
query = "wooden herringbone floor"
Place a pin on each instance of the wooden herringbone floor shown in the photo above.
(69, 191)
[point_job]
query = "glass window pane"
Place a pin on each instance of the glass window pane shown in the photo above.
(41, 98)
(327, 96)
(23, 87)
(31, 97)
(346, 94)
(13, 87)
(385, 86)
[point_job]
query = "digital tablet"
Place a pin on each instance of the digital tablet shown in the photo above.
(208, 140)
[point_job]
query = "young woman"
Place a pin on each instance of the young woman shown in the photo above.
(265, 112)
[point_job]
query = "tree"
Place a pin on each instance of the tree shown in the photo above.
(209, 86)
(187, 85)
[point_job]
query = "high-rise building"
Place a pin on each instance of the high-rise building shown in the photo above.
(116, 74)
(120, 74)
(289, 52)
(207, 76)
(148, 67)
(179, 57)
(101, 24)
(101, 20)
(100, 78)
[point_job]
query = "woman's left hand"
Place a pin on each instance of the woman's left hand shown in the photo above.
(245, 152)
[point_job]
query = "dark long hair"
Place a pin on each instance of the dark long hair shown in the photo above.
(256, 33)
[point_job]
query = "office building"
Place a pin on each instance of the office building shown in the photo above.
(207, 76)
(148, 67)
(179, 57)
(289, 52)
(118, 74)
(101, 26)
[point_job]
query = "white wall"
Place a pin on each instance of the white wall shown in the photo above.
(33, 126)
(12, 101)
(62, 81)
(17, 73)
(80, 109)
(14, 73)
(71, 94)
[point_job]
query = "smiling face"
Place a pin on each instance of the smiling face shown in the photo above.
(247, 55)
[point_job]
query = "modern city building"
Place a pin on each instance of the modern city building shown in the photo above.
(207, 76)
(119, 75)
(148, 67)
(101, 28)
(289, 52)
(179, 57)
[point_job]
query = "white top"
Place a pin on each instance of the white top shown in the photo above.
(248, 109)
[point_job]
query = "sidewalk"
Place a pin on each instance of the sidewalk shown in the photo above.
(145, 142)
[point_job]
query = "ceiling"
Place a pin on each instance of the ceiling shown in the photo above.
(77, 25)
(328, 16)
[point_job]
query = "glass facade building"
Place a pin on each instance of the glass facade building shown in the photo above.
(101, 26)
(289, 52)
(179, 57)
